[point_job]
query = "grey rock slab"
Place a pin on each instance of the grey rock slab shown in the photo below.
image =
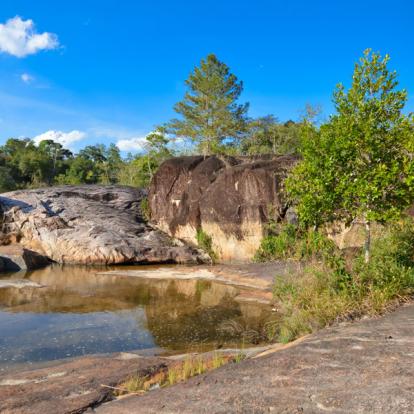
(69, 386)
(362, 367)
(89, 225)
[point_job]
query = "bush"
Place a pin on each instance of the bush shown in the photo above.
(295, 243)
(145, 209)
(278, 246)
(205, 242)
(326, 291)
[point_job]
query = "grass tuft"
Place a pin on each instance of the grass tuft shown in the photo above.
(177, 372)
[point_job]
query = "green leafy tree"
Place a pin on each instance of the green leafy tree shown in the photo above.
(7, 182)
(210, 114)
(28, 164)
(266, 135)
(139, 170)
(55, 159)
(111, 164)
(81, 171)
(359, 165)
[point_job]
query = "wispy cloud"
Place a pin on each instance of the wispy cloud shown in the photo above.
(64, 138)
(126, 139)
(132, 144)
(26, 78)
(19, 38)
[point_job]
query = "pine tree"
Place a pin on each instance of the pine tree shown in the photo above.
(210, 114)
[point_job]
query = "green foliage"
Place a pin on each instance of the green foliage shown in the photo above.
(23, 164)
(291, 242)
(209, 111)
(26, 165)
(145, 209)
(278, 246)
(138, 171)
(7, 182)
(205, 242)
(266, 135)
(360, 163)
(326, 291)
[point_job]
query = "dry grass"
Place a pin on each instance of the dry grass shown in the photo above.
(177, 372)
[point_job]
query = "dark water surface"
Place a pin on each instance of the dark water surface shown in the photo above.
(80, 311)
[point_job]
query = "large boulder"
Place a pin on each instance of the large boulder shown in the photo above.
(16, 257)
(88, 225)
(229, 198)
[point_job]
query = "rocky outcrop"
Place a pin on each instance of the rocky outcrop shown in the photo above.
(74, 386)
(229, 198)
(88, 225)
(16, 257)
(364, 367)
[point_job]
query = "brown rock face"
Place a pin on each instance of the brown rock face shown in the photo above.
(88, 225)
(229, 198)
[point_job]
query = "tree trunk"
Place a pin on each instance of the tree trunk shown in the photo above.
(367, 246)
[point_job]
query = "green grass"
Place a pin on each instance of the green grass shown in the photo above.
(331, 288)
(205, 242)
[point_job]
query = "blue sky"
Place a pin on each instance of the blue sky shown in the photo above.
(104, 71)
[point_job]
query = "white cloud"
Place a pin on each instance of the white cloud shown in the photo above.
(64, 138)
(132, 144)
(26, 78)
(19, 38)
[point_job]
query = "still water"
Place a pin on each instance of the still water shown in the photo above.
(79, 311)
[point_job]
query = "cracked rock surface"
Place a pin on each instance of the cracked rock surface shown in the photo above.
(88, 225)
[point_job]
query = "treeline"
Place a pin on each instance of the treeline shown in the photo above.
(26, 165)
(23, 164)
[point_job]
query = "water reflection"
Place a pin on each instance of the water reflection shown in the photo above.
(79, 311)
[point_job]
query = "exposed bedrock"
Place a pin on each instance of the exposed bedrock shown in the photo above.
(229, 198)
(88, 225)
(14, 258)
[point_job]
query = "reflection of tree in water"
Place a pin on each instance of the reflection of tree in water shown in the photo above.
(180, 314)
(208, 315)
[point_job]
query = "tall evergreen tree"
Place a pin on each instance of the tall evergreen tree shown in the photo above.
(210, 114)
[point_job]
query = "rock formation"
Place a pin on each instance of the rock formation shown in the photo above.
(14, 258)
(229, 198)
(88, 225)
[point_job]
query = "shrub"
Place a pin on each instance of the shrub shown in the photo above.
(145, 209)
(326, 291)
(296, 243)
(205, 242)
(278, 246)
